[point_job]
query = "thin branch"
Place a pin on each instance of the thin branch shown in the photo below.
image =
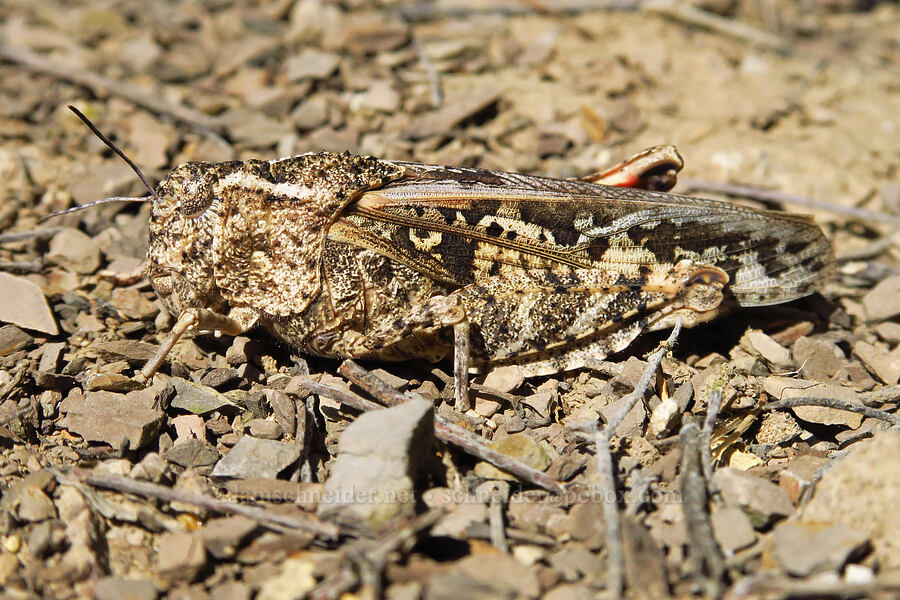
(21, 266)
(872, 250)
(615, 573)
(640, 486)
(615, 551)
(782, 586)
(476, 446)
(499, 497)
(705, 555)
(430, 11)
(886, 395)
(511, 399)
(104, 86)
(343, 396)
(713, 405)
(34, 234)
(684, 12)
(653, 362)
(270, 518)
(862, 409)
(434, 78)
(763, 195)
(604, 367)
(372, 384)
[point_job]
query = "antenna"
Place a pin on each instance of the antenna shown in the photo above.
(121, 154)
(67, 211)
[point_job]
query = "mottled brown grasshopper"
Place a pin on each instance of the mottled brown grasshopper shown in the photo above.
(357, 257)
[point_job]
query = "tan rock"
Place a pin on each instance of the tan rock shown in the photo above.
(862, 491)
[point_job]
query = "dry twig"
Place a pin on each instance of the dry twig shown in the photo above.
(834, 403)
(429, 11)
(704, 552)
(713, 404)
(21, 266)
(615, 575)
(684, 12)
(754, 193)
(34, 234)
(275, 520)
(885, 395)
(104, 86)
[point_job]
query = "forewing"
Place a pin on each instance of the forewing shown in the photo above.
(464, 225)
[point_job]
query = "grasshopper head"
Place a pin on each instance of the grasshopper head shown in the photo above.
(183, 225)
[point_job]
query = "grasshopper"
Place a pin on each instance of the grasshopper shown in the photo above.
(357, 257)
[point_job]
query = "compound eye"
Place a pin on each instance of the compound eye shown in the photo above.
(708, 276)
(195, 204)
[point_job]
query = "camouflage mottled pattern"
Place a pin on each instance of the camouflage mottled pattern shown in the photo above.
(347, 256)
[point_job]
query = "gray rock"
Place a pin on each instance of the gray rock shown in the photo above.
(51, 353)
(28, 499)
(799, 475)
(224, 537)
(762, 500)
(13, 339)
(220, 378)
(505, 379)
(584, 522)
(380, 457)
(645, 561)
(758, 343)
(231, 590)
(732, 529)
(132, 304)
(486, 576)
(264, 429)
(133, 351)
(284, 410)
(252, 457)
(192, 453)
(181, 556)
(574, 562)
(883, 301)
(311, 113)
(293, 580)
(862, 491)
(119, 588)
(23, 303)
(242, 350)
(820, 359)
(570, 591)
(75, 251)
(196, 398)
(111, 418)
(889, 332)
(802, 549)
(520, 446)
(311, 64)
(255, 130)
(151, 468)
(455, 523)
(885, 365)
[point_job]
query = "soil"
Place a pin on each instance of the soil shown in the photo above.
(800, 100)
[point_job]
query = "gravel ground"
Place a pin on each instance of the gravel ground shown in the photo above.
(224, 478)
